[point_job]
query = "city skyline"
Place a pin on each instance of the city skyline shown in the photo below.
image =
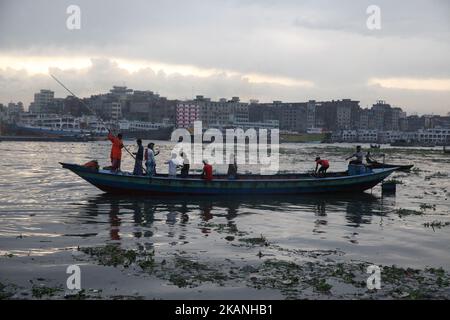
(26, 105)
(263, 50)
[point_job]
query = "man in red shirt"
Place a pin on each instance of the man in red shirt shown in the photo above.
(207, 171)
(324, 165)
(116, 151)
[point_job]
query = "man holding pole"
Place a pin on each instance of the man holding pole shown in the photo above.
(116, 151)
(139, 158)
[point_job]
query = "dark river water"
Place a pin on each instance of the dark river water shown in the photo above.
(47, 214)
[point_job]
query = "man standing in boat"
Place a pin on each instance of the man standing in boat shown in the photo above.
(150, 161)
(116, 151)
(173, 166)
(139, 157)
(185, 167)
(232, 168)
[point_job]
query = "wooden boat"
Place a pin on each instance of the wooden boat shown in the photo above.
(160, 184)
(399, 167)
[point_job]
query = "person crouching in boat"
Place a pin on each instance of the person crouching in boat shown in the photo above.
(207, 171)
(150, 162)
(138, 160)
(116, 151)
(173, 165)
(324, 165)
(369, 159)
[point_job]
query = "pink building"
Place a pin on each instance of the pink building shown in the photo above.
(187, 113)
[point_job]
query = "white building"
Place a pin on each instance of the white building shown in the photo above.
(434, 136)
(349, 135)
(269, 124)
(368, 135)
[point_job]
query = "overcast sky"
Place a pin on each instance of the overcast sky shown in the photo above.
(267, 50)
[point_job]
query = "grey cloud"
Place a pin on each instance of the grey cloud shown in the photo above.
(322, 41)
(18, 85)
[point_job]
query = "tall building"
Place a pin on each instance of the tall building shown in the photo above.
(116, 111)
(338, 114)
(311, 114)
(15, 108)
(290, 116)
(386, 117)
(222, 113)
(414, 123)
(41, 100)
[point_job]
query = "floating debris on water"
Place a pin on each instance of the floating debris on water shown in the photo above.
(408, 212)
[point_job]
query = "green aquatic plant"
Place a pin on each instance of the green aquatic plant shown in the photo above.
(415, 170)
(321, 285)
(436, 224)
(41, 291)
(393, 181)
(4, 293)
(437, 175)
(261, 241)
(112, 255)
(294, 280)
(426, 206)
(79, 295)
(407, 212)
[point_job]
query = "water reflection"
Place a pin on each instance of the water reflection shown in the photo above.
(175, 213)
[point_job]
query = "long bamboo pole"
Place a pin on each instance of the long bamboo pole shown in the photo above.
(93, 112)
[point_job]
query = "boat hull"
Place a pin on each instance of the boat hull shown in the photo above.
(161, 185)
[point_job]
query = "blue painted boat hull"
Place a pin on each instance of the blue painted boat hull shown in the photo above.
(249, 184)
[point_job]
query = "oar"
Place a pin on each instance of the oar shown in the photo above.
(94, 113)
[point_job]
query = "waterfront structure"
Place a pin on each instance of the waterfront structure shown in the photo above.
(269, 124)
(344, 118)
(292, 117)
(222, 113)
(434, 136)
(338, 114)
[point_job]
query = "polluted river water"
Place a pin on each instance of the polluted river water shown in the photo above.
(284, 247)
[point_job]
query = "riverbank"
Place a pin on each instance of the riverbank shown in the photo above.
(50, 139)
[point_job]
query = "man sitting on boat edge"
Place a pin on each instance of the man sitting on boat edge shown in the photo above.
(358, 155)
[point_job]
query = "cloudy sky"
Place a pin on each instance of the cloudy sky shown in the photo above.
(268, 50)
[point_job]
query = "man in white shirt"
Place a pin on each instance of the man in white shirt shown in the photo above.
(173, 165)
(358, 155)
